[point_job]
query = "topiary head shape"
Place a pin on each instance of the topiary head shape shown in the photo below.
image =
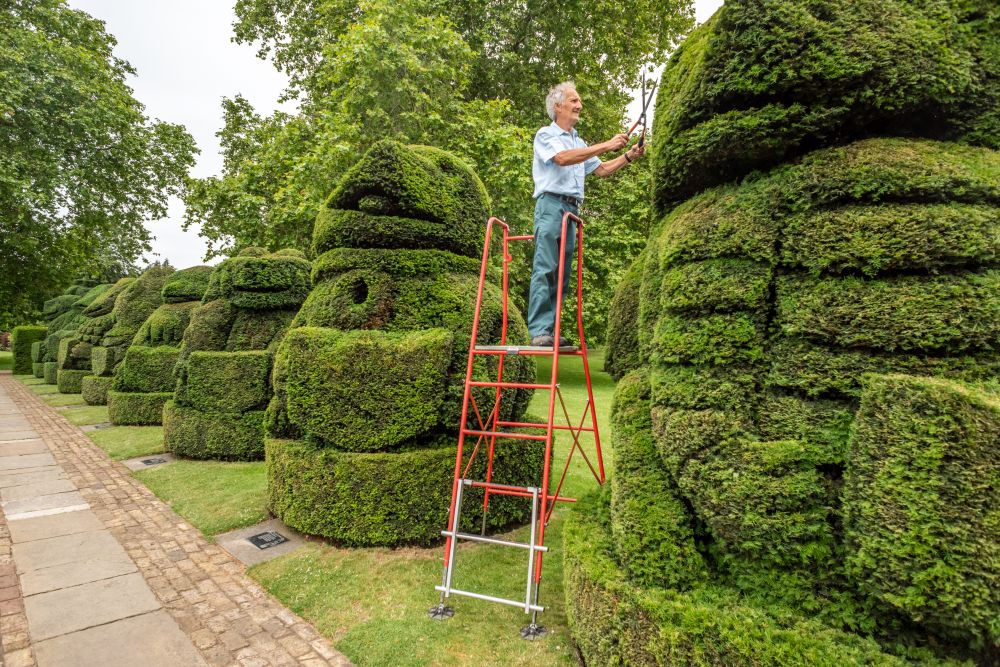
(258, 280)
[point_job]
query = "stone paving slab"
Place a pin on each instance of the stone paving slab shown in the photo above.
(87, 605)
(56, 525)
(31, 476)
(222, 614)
(75, 573)
(8, 463)
(18, 435)
(19, 447)
(48, 552)
(15, 508)
(139, 463)
(148, 640)
(237, 543)
(33, 489)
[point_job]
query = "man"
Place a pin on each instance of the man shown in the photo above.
(561, 161)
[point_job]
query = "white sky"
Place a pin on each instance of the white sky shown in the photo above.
(186, 63)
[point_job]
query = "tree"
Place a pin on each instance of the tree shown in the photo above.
(81, 166)
(463, 75)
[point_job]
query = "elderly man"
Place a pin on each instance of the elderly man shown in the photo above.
(562, 160)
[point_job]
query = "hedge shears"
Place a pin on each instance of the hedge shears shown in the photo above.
(646, 99)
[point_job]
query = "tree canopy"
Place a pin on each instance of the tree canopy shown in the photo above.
(466, 76)
(81, 166)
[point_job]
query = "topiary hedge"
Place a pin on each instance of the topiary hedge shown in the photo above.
(754, 491)
(67, 317)
(762, 83)
(144, 380)
(21, 340)
(223, 370)
(369, 381)
(922, 506)
(111, 332)
(38, 358)
(622, 353)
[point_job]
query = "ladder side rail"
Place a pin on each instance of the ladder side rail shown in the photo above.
(498, 395)
(549, 431)
(455, 490)
(583, 347)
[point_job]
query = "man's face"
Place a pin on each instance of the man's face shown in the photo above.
(569, 109)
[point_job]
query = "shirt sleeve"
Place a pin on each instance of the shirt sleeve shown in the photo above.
(591, 164)
(545, 146)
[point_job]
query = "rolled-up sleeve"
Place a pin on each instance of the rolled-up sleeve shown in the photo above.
(591, 164)
(545, 145)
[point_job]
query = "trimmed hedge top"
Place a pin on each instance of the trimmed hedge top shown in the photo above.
(766, 80)
(186, 285)
(135, 303)
(400, 196)
(105, 302)
(259, 280)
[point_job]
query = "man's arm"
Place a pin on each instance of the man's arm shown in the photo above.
(611, 166)
(578, 155)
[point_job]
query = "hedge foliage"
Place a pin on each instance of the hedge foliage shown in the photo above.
(761, 308)
(145, 377)
(423, 197)
(622, 351)
(95, 388)
(21, 340)
(763, 82)
(922, 503)
(369, 381)
(391, 498)
(223, 370)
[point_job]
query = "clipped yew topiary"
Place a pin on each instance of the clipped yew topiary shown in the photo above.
(97, 320)
(829, 199)
(64, 314)
(104, 339)
(368, 382)
(22, 339)
(224, 365)
(38, 358)
(144, 380)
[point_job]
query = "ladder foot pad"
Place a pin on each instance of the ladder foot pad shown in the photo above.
(532, 632)
(440, 612)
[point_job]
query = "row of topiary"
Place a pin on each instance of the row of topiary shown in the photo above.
(349, 368)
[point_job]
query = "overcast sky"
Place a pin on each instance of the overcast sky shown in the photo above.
(185, 63)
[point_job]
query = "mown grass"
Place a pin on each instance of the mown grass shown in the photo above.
(128, 442)
(373, 602)
(58, 400)
(86, 414)
(213, 496)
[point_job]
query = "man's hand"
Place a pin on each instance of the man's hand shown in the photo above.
(636, 152)
(616, 143)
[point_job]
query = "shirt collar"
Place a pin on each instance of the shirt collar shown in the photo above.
(558, 129)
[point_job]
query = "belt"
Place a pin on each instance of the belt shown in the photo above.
(566, 199)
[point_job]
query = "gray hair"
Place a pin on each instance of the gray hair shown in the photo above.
(556, 95)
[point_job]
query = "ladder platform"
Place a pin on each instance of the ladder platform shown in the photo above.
(489, 598)
(525, 349)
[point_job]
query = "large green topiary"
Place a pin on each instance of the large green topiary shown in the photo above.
(761, 308)
(144, 380)
(369, 381)
(224, 364)
(22, 339)
(65, 314)
(103, 337)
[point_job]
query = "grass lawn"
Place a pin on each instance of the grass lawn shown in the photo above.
(85, 414)
(58, 400)
(6, 360)
(214, 497)
(128, 442)
(373, 602)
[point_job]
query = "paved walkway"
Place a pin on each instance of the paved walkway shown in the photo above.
(96, 571)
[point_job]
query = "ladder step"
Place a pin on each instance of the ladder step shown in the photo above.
(490, 598)
(500, 434)
(472, 537)
(524, 349)
(509, 385)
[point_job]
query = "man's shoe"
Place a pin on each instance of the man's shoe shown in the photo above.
(543, 340)
(565, 342)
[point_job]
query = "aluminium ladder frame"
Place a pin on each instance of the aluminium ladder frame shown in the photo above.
(542, 502)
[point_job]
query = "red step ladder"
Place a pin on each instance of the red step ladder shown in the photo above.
(492, 428)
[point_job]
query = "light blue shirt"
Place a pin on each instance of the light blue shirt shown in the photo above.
(549, 176)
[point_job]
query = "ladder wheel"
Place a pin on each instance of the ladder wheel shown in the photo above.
(440, 612)
(533, 631)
